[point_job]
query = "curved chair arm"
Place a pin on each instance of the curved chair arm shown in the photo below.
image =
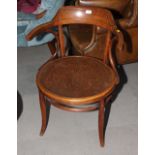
(45, 28)
(113, 64)
(38, 30)
(132, 20)
(109, 56)
(120, 45)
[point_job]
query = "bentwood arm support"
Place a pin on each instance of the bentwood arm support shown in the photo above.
(38, 30)
(44, 28)
(108, 56)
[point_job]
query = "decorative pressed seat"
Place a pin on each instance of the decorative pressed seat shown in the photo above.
(75, 83)
(76, 79)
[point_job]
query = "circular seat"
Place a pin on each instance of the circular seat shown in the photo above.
(75, 80)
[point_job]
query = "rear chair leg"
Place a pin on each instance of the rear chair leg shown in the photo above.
(101, 122)
(51, 46)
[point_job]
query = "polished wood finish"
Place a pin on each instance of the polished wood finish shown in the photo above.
(43, 112)
(52, 47)
(101, 122)
(74, 108)
(102, 18)
(73, 81)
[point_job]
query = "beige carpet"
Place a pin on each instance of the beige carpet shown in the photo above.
(71, 133)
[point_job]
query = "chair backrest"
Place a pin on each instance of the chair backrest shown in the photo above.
(85, 15)
(78, 15)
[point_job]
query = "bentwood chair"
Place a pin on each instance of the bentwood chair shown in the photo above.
(75, 83)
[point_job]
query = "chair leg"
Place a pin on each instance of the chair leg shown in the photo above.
(101, 122)
(43, 112)
(51, 46)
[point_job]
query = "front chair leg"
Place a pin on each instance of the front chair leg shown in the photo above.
(43, 112)
(101, 122)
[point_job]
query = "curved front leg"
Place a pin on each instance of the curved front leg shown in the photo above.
(43, 112)
(101, 122)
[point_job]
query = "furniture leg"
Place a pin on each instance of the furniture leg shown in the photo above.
(43, 112)
(51, 46)
(101, 122)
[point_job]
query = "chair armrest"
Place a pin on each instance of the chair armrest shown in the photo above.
(40, 29)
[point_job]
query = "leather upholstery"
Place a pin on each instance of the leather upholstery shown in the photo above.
(83, 35)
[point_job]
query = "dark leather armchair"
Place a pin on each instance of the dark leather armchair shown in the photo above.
(91, 39)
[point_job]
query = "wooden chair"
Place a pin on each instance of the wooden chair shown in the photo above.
(75, 83)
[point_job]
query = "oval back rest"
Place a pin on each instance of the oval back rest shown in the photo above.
(83, 15)
(78, 15)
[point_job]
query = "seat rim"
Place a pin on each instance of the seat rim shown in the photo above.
(73, 100)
